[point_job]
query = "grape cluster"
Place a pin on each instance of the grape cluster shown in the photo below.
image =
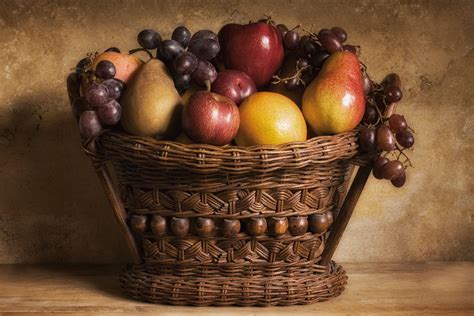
(387, 133)
(99, 106)
(312, 50)
(188, 57)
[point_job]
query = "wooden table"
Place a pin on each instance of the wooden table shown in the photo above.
(420, 288)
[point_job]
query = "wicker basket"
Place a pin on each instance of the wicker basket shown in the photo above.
(229, 225)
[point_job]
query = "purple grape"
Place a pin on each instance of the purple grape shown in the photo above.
(89, 124)
(97, 94)
(340, 33)
(169, 49)
(115, 87)
(182, 35)
(204, 73)
(149, 39)
(330, 42)
(110, 112)
(202, 34)
(182, 82)
(105, 69)
(204, 48)
(318, 59)
(185, 63)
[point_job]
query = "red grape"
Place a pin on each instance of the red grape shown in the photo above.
(400, 181)
(330, 42)
(340, 33)
(202, 34)
(370, 115)
(392, 170)
(291, 40)
(89, 124)
(149, 39)
(105, 69)
(406, 139)
(385, 138)
(185, 63)
(378, 166)
(392, 94)
(397, 123)
(205, 72)
(323, 32)
(367, 139)
(291, 84)
(115, 88)
(182, 35)
(110, 112)
(367, 84)
(392, 80)
(282, 28)
(97, 94)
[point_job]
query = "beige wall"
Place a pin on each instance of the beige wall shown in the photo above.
(52, 208)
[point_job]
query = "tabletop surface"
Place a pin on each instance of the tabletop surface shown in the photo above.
(444, 288)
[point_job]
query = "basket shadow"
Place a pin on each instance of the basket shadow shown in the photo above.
(52, 209)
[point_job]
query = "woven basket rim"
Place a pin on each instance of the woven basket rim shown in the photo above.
(202, 158)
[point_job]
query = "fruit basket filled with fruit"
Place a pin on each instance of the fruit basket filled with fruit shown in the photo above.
(228, 158)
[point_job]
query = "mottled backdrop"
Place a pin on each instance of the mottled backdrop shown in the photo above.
(52, 208)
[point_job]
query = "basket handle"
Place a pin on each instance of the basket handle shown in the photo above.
(350, 201)
(345, 213)
(73, 87)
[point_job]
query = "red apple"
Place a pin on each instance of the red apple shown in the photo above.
(234, 84)
(254, 48)
(210, 118)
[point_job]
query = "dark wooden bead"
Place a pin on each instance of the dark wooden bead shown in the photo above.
(256, 226)
(138, 223)
(230, 227)
(204, 226)
(179, 226)
(278, 226)
(330, 217)
(158, 225)
(318, 223)
(298, 225)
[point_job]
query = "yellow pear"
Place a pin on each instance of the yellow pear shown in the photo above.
(151, 106)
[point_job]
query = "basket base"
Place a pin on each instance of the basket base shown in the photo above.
(220, 290)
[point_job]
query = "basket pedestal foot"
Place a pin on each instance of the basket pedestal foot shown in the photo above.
(220, 290)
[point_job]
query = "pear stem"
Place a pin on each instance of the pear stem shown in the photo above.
(136, 50)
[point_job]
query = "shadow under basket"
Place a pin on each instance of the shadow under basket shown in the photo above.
(230, 225)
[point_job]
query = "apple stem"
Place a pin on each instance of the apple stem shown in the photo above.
(208, 86)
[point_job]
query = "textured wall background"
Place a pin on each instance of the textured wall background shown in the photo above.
(52, 208)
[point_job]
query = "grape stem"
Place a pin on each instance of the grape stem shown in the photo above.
(208, 86)
(277, 79)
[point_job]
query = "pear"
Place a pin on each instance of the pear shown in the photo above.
(334, 102)
(151, 106)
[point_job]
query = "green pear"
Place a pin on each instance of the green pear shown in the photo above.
(151, 106)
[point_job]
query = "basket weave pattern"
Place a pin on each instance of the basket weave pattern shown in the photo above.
(172, 181)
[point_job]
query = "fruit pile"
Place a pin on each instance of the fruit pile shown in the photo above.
(253, 84)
